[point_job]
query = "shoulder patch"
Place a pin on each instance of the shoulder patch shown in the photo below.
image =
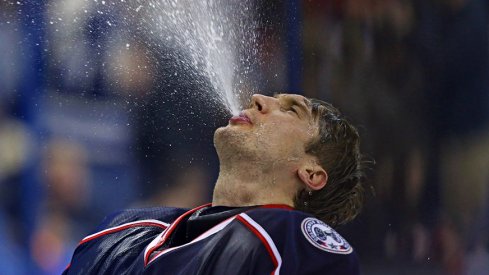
(324, 237)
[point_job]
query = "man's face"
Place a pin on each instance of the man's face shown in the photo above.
(272, 130)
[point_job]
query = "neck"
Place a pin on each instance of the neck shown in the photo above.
(245, 185)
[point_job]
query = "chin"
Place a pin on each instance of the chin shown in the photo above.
(228, 131)
(230, 140)
(224, 135)
(219, 133)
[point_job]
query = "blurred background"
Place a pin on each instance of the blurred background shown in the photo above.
(91, 122)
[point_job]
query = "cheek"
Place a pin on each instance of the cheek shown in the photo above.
(289, 144)
(285, 141)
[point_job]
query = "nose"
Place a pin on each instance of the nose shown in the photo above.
(262, 103)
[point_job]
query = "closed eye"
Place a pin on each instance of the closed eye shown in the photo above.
(292, 109)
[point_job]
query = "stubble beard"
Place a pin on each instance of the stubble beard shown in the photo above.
(242, 160)
(251, 165)
(257, 149)
(234, 146)
(247, 152)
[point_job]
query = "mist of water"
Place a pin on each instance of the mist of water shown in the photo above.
(219, 37)
(214, 44)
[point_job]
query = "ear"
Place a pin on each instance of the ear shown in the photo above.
(314, 177)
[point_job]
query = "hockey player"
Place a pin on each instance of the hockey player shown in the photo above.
(290, 171)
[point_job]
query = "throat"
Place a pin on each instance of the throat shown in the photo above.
(236, 193)
(233, 195)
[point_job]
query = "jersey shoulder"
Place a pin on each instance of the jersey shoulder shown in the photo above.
(165, 215)
(302, 227)
(306, 244)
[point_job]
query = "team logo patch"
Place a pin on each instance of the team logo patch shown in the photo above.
(324, 237)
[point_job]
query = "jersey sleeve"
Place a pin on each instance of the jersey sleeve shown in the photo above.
(304, 244)
(97, 249)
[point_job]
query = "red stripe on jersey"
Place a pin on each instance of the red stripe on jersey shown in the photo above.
(120, 228)
(262, 239)
(204, 235)
(167, 233)
(279, 206)
(67, 267)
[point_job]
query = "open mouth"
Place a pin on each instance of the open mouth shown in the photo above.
(241, 118)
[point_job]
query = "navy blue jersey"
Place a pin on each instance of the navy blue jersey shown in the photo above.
(270, 239)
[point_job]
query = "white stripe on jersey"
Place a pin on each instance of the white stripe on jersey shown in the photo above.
(267, 237)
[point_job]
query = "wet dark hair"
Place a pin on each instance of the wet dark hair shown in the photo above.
(337, 148)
